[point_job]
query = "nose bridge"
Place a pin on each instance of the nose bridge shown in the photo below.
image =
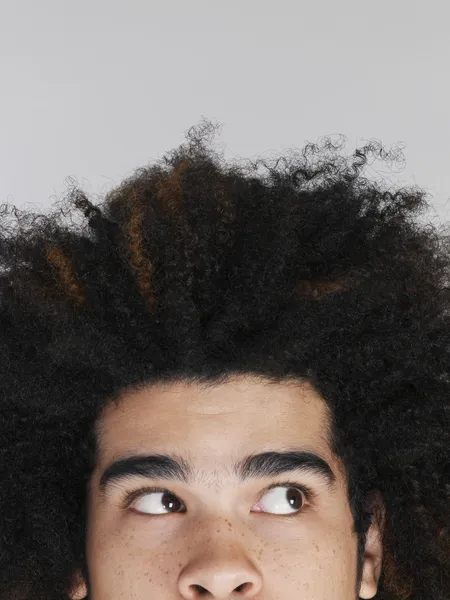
(221, 526)
(219, 504)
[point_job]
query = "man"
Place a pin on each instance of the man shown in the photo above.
(233, 385)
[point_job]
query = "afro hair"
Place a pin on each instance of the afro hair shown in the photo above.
(198, 269)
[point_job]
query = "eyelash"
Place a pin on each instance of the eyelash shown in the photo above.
(308, 493)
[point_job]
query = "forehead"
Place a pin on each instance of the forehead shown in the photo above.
(244, 414)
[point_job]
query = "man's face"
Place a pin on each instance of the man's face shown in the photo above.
(229, 536)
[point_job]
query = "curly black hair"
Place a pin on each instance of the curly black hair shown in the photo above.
(197, 269)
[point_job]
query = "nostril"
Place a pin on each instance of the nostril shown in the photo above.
(201, 590)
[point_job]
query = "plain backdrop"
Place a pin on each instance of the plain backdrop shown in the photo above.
(93, 89)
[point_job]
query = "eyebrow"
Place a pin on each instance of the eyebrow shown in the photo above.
(174, 467)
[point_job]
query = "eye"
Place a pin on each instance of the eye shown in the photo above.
(285, 498)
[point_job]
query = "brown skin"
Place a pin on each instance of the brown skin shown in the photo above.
(221, 541)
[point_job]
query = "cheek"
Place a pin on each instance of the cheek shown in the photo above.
(324, 569)
(113, 563)
(107, 537)
(321, 559)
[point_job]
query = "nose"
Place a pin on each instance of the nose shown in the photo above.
(220, 584)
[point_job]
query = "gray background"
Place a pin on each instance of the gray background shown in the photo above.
(92, 89)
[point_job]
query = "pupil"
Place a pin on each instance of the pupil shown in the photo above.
(292, 496)
(169, 504)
